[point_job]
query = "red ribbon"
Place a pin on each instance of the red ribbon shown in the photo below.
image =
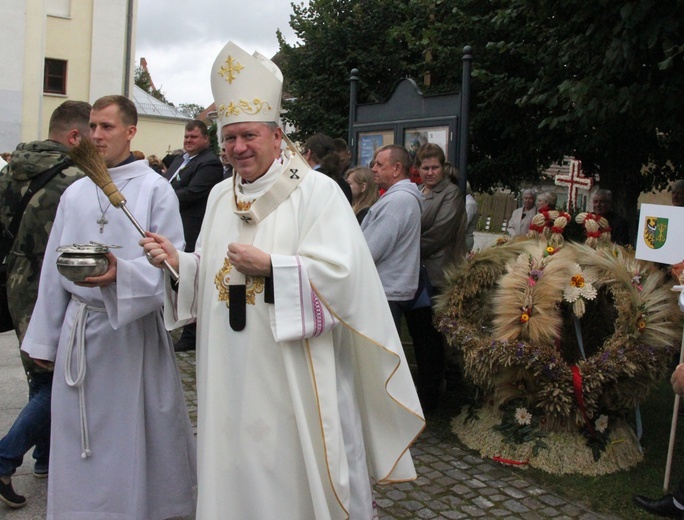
(579, 396)
(510, 462)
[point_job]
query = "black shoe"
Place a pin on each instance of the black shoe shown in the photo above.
(9, 497)
(662, 506)
(41, 471)
(183, 345)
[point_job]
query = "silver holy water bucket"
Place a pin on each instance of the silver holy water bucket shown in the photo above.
(79, 261)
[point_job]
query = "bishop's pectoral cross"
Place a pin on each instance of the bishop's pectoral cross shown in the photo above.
(102, 221)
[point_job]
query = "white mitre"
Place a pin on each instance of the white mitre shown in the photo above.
(246, 88)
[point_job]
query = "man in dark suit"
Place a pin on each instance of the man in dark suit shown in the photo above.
(192, 176)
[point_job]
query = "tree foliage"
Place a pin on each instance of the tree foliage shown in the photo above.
(601, 81)
(191, 109)
(141, 77)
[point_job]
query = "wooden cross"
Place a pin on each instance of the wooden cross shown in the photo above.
(575, 181)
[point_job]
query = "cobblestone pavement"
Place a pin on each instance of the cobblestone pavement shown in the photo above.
(453, 483)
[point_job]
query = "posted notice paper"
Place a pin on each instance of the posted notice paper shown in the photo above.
(660, 235)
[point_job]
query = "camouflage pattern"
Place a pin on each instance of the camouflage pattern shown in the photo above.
(26, 256)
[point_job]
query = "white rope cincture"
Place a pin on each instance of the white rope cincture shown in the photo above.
(77, 345)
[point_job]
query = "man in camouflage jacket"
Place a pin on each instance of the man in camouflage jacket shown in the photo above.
(68, 125)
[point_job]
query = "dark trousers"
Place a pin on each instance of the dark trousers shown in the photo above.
(189, 334)
(31, 428)
(428, 347)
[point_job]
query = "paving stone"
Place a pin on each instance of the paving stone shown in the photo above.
(446, 481)
(473, 511)
(420, 495)
(426, 513)
(515, 506)
(412, 505)
(515, 493)
(483, 503)
(454, 515)
(434, 488)
(551, 500)
(488, 492)
(453, 483)
(475, 484)
(571, 510)
(532, 503)
(396, 494)
(499, 513)
(457, 474)
(404, 486)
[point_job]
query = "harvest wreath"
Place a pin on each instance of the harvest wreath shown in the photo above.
(562, 339)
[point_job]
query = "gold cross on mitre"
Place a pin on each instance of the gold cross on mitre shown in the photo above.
(230, 69)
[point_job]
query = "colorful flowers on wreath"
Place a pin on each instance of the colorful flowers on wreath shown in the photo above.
(580, 288)
(526, 313)
(601, 424)
(520, 425)
(641, 323)
(522, 416)
(550, 250)
(535, 276)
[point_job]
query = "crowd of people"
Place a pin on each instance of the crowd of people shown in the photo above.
(295, 271)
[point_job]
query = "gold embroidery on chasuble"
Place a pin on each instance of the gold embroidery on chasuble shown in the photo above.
(243, 206)
(254, 285)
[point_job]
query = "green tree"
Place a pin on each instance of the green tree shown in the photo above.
(141, 78)
(337, 36)
(191, 109)
(601, 81)
(608, 83)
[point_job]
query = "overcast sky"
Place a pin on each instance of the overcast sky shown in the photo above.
(180, 40)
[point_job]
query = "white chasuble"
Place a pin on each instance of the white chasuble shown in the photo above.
(310, 404)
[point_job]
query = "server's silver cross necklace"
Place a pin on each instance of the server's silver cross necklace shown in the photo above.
(102, 220)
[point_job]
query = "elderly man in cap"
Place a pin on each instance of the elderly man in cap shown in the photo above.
(305, 399)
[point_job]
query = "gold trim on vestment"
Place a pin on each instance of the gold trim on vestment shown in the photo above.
(243, 105)
(254, 284)
(331, 480)
(385, 479)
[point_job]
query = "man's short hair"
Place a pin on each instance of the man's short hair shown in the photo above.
(68, 115)
(530, 191)
(196, 123)
(129, 114)
(320, 145)
(340, 145)
(398, 154)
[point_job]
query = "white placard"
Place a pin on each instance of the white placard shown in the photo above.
(660, 235)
